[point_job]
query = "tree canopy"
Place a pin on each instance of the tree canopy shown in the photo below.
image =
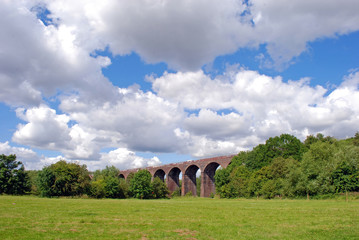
(13, 178)
(63, 179)
(285, 167)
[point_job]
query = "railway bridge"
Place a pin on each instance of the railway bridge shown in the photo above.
(170, 174)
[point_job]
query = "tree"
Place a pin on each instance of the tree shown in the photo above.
(13, 178)
(316, 168)
(356, 139)
(221, 178)
(63, 179)
(106, 183)
(140, 185)
(159, 188)
(346, 173)
(33, 175)
(285, 146)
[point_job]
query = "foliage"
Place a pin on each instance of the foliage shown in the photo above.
(285, 167)
(13, 178)
(346, 172)
(106, 183)
(198, 186)
(177, 192)
(159, 188)
(33, 175)
(283, 146)
(140, 185)
(63, 179)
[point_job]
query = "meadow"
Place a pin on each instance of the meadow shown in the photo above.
(27, 217)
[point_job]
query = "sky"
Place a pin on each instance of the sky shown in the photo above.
(149, 82)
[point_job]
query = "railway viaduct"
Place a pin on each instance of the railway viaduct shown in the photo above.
(171, 173)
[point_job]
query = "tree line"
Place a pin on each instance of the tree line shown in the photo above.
(286, 167)
(282, 167)
(71, 179)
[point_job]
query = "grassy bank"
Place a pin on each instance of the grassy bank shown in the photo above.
(183, 218)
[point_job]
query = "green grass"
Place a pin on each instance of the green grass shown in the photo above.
(182, 218)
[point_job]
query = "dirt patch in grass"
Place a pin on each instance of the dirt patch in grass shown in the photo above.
(187, 232)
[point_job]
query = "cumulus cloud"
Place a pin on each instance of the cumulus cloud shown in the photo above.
(140, 121)
(37, 61)
(40, 58)
(188, 34)
(125, 159)
(45, 129)
(30, 159)
(188, 111)
(184, 34)
(229, 113)
(287, 27)
(20, 152)
(260, 105)
(218, 126)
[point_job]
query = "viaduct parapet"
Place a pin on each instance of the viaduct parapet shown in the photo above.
(170, 173)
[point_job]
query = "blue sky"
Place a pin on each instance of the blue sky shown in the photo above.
(140, 83)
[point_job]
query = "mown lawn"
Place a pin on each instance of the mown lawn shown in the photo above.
(183, 218)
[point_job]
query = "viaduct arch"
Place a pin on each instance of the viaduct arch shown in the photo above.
(170, 173)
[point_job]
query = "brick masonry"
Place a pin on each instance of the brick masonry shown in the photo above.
(170, 173)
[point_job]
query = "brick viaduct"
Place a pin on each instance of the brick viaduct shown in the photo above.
(171, 173)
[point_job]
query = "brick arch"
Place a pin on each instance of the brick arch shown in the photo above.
(189, 183)
(172, 172)
(173, 181)
(121, 176)
(160, 173)
(207, 179)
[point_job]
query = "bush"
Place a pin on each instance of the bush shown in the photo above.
(159, 188)
(63, 179)
(140, 185)
(106, 183)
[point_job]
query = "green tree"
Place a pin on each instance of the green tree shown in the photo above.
(284, 146)
(159, 188)
(45, 183)
(140, 185)
(13, 178)
(97, 189)
(238, 183)
(33, 175)
(317, 166)
(63, 179)
(106, 183)
(221, 178)
(346, 173)
(356, 139)
(269, 181)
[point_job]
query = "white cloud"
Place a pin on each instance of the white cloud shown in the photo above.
(218, 127)
(140, 121)
(41, 60)
(287, 27)
(20, 152)
(30, 159)
(188, 34)
(189, 111)
(45, 129)
(124, 159)
(38, 61)
(267, 106)
(184, 34)
(235, 111)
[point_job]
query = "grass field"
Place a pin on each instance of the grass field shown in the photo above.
(182, 218)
